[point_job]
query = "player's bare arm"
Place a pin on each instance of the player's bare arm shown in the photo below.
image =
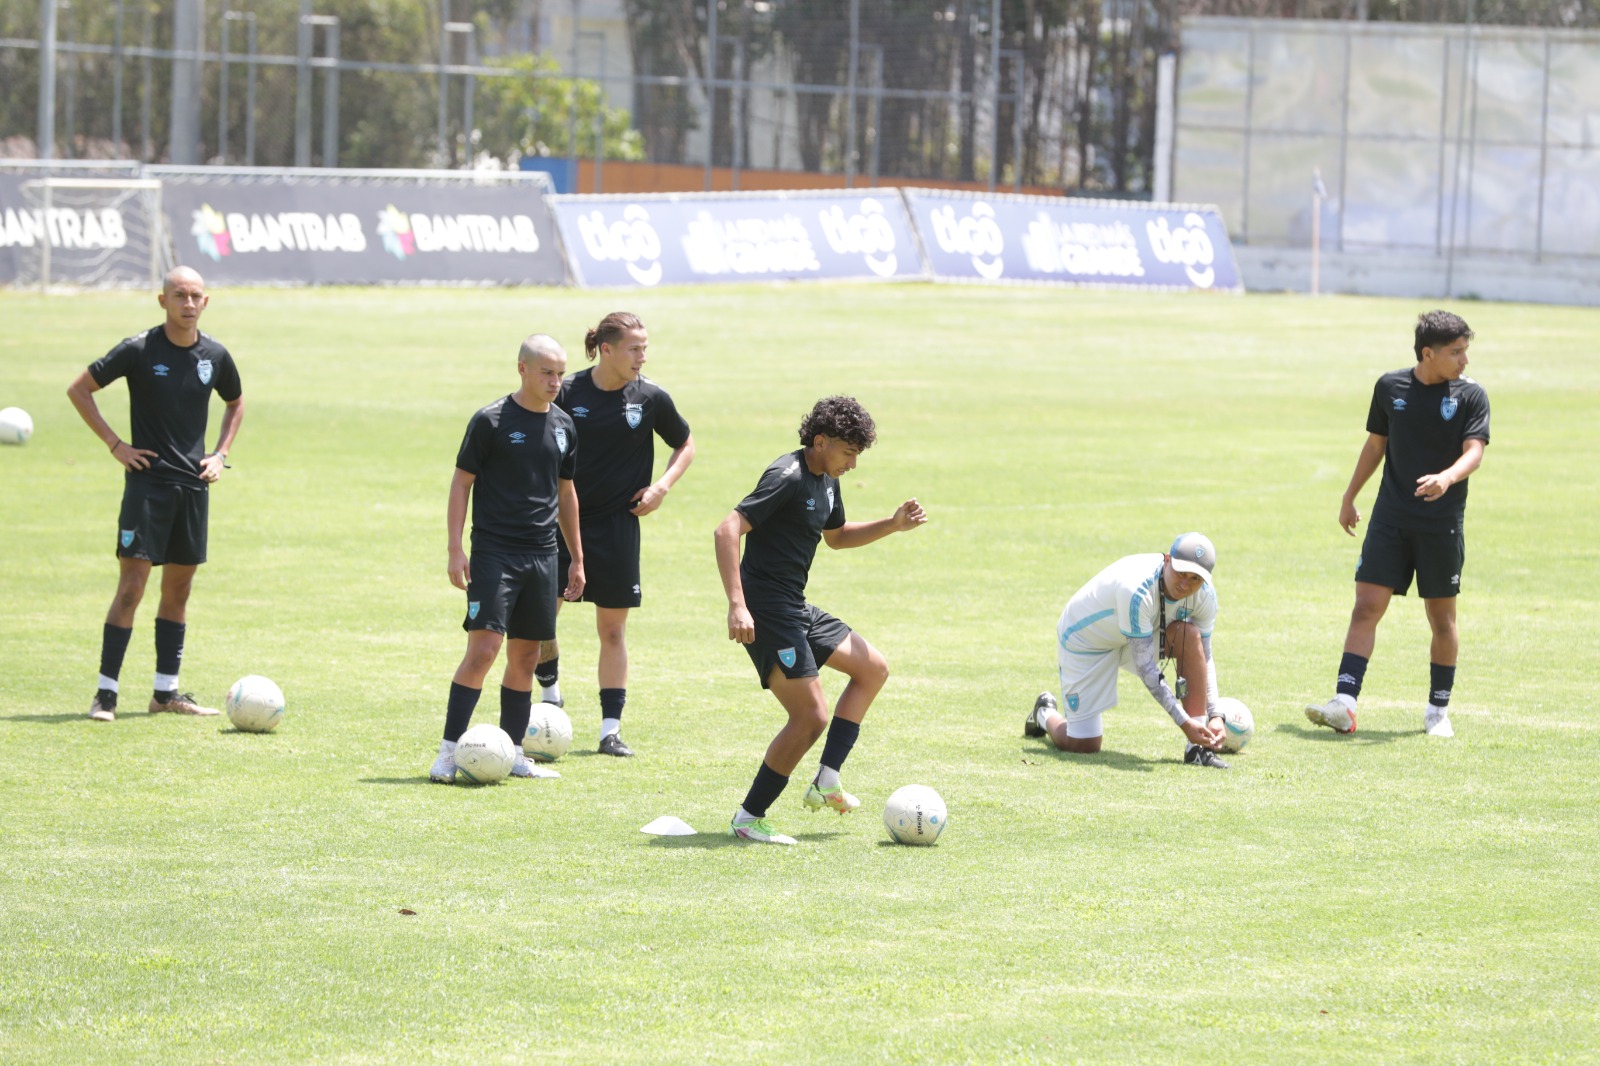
(1367, 464)
(741, 627)
(81, 393)
(907, 516)
(567, 517)
(211, 466)
(1432, 486)
(654, 495)
(460, 569)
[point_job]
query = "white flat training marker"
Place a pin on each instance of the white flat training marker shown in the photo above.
(669, 826)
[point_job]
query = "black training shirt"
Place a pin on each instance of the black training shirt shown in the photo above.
(616, 430)
(517, 457)
(169, 397)
(1426, 427)
(788, 510)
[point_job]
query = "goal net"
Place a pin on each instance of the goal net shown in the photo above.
(87, 233)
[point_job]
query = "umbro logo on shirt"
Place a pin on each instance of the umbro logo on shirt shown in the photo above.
(518, 437)
(580, 412)
(161, 370)
(811, 504)
(1399, 403)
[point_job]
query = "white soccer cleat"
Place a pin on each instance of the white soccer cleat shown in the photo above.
(1333, 714)
(1436, 722)
(525, 767)
(757, 830)
(443, 770)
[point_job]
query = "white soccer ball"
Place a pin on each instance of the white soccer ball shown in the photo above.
(1238, 725)
(915, 815)
(549, 733)
(255, 704)
(484, 755)
(15, 426)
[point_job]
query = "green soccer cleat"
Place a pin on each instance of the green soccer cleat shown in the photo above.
(838, 799)
(757, 830)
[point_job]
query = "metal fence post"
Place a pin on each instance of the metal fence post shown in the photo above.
(711, 90)
(302, 92)
(850, 96)
(47, 79)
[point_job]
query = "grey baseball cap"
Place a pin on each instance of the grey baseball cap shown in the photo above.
(1193, 554)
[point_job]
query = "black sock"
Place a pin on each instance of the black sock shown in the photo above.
(611, 702)
(1352, 668)
(1442, 679)
(458, 712)
(548, 673)
(842, 734)
(113, 646)
(764, 791)
(169, 651)
(515, 710)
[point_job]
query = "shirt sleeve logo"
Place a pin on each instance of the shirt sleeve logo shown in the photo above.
(633, 413)
(203, 368)
(1447, 407)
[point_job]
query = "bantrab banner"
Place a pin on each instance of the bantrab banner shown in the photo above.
(714, 237)
(969, 237)
(362, 231)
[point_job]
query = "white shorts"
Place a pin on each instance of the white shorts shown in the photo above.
(1089, 687)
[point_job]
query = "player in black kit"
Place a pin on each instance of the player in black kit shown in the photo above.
(172, 371)
(796, 503)
(1428, 425)
(618, 412)
(516, 463)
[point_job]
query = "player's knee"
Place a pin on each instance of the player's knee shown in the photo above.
(612, 634)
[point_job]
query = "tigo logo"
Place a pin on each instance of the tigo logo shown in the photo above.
(975, 234)
(1188, 244)
(866, 233)
(631, 240)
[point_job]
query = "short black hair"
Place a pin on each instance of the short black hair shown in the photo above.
(841, 418)
(1435, 329)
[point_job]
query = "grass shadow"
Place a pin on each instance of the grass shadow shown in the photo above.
(420, 779)
(1319, 735)
(48, 719)
(1115, 760)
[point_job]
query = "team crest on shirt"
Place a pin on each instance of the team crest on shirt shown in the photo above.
(472, 609)
(203, 368)
(633, 413)
(830, 498)
(561, 440)
(1072, 701)
(786, 657)
(1447, 407)
(127, 538)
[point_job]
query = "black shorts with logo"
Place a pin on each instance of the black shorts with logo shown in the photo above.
(795, 640)
(513, 594)
(610, 559)
(163, 522)
(1390, 556)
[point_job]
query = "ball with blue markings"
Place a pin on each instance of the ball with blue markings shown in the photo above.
(915, 814)
(484, 755)
(254, 704)
(1238, 724)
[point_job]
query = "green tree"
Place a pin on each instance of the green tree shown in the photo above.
(535, 112)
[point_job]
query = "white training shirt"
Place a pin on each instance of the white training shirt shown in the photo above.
(1119, 604)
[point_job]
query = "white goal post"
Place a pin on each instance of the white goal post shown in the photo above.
(90, 233)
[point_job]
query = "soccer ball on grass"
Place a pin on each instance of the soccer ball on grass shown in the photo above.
(484, 755)
(15, 426)
(255, 704)
(915, 815)
(549, 733)
(1238, 725)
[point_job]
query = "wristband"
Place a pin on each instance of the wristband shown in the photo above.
(114, 444)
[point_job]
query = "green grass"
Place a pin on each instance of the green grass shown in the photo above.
(173, 890)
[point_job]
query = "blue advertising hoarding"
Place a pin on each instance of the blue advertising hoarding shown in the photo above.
(688, 239)
(1082, 242)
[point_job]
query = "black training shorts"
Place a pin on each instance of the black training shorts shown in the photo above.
(513, 594)
(795, 640)
(1391, 555)
(163, 522)
(610, 559)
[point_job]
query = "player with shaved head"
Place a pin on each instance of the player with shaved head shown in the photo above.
(171, 370)
(515, 464)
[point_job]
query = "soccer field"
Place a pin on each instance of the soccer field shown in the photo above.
(175, 890)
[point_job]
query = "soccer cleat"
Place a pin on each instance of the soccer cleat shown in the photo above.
(757, 830)
(104, 707)
(443, 770)
(1033, 726)
(1333, 714)
(525, 767)
(613, 744)
(1436, 722)
(1195, 755)
(837, 799)
(182, 703)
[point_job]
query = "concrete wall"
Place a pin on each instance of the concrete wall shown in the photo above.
(1392, 274)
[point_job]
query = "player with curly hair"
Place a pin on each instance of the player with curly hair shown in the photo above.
(796, 503)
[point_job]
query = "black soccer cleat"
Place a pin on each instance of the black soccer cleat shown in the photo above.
(1195, 755)
(612, 744)
(1033, 725)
